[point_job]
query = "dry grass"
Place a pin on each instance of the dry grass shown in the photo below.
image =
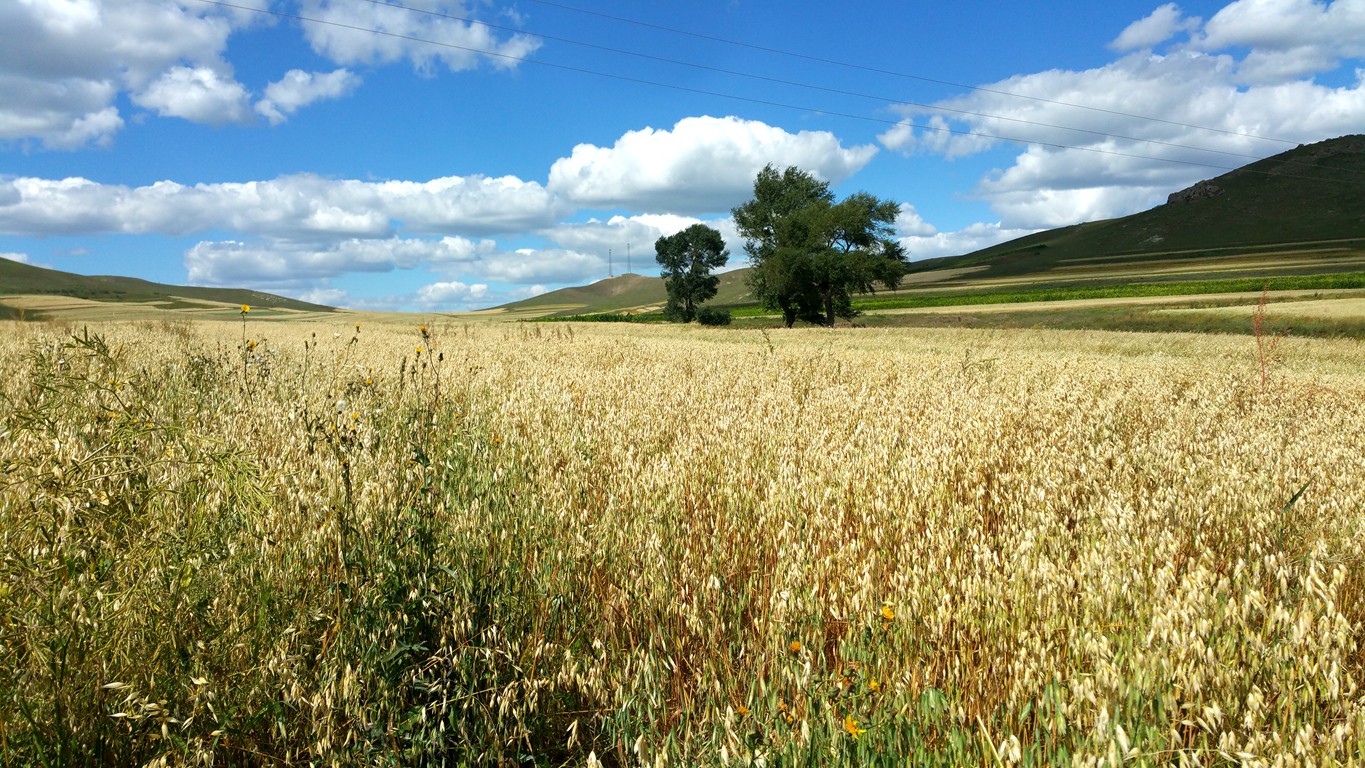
(557, 545)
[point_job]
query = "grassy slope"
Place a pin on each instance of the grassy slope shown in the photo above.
(1310, 199)
(1312, 194)
(24, 279)
(624, 293)
(1296, 214)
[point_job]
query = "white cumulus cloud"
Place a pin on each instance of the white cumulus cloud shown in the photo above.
(324, 295)
(627, 242)
(910, 224)
(1156, 28)
(1152, 122)
(965, 240)
(469, 204)
(63, 64)
(1285, 25)
(298, 89)
(704, 164)
(535, 266)
(22, 258)
(298, 207)
(199, 94)
(1288, 39)
(276, 262)
(423, 33)
(451, 292)
(297, 267)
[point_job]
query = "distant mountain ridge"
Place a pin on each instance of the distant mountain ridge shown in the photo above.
(26, 279)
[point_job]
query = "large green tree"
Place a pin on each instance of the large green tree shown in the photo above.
(779, 275)
(689, 259)
(809, 253)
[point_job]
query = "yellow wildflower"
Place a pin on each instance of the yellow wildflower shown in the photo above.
(795, 646)
(873, 685)
(887, 613)
(742, 711)
(245, 309)
(851, 726)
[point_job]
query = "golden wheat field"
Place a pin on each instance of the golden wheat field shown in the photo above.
(257, 543)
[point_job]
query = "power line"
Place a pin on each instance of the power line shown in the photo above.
(747, 99)
(880, 99)
(906, 75)
(798, 84)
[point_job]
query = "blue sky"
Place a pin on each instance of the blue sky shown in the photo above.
(443, 156)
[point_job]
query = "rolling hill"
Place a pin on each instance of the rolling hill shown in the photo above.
(27, 280)
(1314, 194)
(1299, 212)
(631, 292)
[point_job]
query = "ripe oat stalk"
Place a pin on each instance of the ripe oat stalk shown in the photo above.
(1266, 342)
(541, 549)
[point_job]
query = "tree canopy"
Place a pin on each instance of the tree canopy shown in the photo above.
(689, 259)
(809, 253)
